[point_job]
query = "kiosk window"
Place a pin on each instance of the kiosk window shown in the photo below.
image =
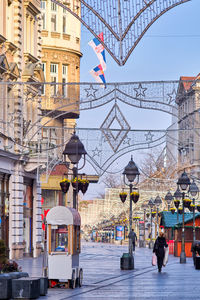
(59, 239)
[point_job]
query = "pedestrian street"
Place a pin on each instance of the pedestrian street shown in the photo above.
(103, 278)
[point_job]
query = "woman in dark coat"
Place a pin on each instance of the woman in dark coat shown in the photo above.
(158, 249)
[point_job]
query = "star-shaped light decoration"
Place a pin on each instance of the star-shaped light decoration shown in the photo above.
(171, 96)
(127, 141)
(149, 136)
(90, 92)
(96, 152)
(140, 91)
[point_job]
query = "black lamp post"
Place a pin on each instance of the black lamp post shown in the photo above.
(194, 191)
(183, 183)
(151, 205)
(144, 206)
(131, 173)
(168, 199)
(157, 202)
(177, 198)
(74, 149)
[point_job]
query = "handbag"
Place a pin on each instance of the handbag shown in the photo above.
(165, 260)
(154, 260)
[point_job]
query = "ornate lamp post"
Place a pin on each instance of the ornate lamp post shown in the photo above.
(157, 202)
(183, 183)
(151, 205)
(168, 199)
(177, 198)
(194, 191)
(144, 206)
(74, 149)
(131, 173)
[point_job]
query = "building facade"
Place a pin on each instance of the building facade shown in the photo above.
(20, 71)
(61, 65)
(188, 125)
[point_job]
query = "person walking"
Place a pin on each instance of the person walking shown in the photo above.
(132, 235)
(158, 249)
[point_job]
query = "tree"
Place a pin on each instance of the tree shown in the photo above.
(109, 181)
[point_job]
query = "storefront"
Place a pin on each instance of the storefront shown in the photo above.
(28, 217)
(4, 208)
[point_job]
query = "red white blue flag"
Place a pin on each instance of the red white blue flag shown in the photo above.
(98, 74)
(99, 50)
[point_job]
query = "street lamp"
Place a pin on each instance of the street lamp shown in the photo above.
(74, 149)
(131, 173)
(183, 183)
(157, 202)
(168, 199)
(144, 206)
(177, 198)
(194, 191)
(151, 205)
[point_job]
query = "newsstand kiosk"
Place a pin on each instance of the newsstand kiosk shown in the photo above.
(63, 247)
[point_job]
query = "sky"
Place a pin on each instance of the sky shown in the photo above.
(168, 50)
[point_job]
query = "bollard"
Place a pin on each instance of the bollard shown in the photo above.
(26, 288)
(5, 286)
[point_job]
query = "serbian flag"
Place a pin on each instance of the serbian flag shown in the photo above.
(98, 74)
(99, 50)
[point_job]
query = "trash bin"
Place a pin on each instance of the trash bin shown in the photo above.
(197, 263)
(126, 262)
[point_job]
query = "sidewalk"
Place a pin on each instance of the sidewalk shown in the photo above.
(104, 280)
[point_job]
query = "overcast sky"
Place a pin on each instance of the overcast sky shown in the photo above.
(169, 50)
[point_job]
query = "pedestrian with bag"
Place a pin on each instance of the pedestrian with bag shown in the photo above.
(159, 250)
(132, 235)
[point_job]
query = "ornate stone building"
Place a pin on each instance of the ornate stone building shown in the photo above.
(188, 107)
(20, 193)
(61, 65)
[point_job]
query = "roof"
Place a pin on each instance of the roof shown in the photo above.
(169, 220)
(187, 82)
(188, 218)
(61, 215)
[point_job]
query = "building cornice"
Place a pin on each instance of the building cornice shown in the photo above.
(68, 50)
(33, 9)
(9, 155)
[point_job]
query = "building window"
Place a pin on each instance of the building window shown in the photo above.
(64, 24)
(53, 22)
(64, 80)
(53, 6)
(44, 71)
(54, 78)
(43, 14)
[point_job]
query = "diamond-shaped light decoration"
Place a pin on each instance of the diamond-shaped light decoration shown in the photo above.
(115, 136)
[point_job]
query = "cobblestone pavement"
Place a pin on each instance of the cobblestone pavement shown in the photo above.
(104, 280)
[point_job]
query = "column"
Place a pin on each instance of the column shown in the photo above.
(37, 221)
(16, 213)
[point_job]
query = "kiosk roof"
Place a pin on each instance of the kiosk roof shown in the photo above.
(61, 215)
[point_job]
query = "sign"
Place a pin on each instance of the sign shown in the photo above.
(119, 233)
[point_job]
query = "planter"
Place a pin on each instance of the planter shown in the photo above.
(64, 186)
(153, 214)
(180, 211)
(84, 187)
(198, 208)
(77, 184)
(192, 208)
(134, 197)
(172, 211)
(186, 203)
(123, 197)
(176, 203)
(148, 214)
